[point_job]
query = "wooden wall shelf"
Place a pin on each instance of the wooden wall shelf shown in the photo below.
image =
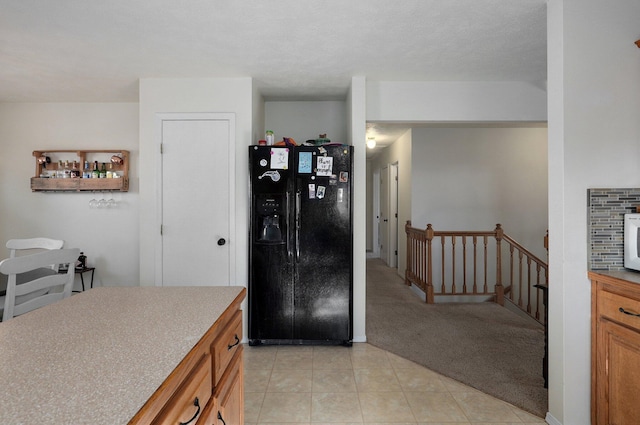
(39, 183)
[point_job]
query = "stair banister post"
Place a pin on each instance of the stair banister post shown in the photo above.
(410, 255)
(546, 246)
(499, 288)
(429, 236)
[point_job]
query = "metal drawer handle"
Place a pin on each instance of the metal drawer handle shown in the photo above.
(622, 310)
(220, 418)
(230, 346)
(197, 404)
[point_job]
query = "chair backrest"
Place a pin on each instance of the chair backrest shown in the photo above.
(28, 263)
(27, 245)
(15, 245)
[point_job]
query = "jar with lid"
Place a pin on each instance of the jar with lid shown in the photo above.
(270, 137)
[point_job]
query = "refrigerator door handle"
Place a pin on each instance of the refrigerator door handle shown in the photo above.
(297, 225)
(288, 222)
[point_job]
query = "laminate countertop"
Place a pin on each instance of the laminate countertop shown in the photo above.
(97, 356)
(628, 275)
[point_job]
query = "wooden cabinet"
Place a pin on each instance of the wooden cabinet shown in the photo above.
(615, 348)
(207, 386)
(40, 183)
(227, 404)
(192, 395)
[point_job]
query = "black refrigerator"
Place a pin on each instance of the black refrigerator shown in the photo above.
(300, 245)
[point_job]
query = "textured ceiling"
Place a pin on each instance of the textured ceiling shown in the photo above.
(84, 50)
(90, 51)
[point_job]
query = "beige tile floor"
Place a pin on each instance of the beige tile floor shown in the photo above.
(323, 385)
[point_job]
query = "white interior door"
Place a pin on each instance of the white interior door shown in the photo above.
(383, 232)
(196, 199)
(376, 213)
(393, 216)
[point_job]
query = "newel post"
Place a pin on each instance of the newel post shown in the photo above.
(499, 288)
(429, 237)
(410, 255)
(546, 244)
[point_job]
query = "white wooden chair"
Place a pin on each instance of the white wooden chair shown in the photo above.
(21, 265)
(17, 245)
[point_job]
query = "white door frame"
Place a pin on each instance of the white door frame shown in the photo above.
(195, 116)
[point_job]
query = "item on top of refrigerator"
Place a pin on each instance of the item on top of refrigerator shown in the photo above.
(270, 137)
(322, 140)
(287, 141)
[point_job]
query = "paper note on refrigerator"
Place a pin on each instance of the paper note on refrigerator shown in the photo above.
(279, 158)
(305, 160)
(324, 166)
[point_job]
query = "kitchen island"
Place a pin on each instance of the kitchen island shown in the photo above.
(125, 355)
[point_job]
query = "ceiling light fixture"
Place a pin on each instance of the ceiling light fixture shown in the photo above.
(371, 142)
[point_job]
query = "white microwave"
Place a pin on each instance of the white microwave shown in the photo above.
(632, 241)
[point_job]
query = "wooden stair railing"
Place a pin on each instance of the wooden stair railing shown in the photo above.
(471, 263)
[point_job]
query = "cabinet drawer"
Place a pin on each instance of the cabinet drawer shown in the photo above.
(609, 305)
(226, 345)
(182, 407)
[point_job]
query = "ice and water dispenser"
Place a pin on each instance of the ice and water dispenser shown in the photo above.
(270, 216)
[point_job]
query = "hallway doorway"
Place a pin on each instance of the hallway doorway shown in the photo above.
(388, 215)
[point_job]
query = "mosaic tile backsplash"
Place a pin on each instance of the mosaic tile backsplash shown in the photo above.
(606, 225)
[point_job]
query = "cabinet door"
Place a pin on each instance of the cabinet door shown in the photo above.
(618, 374)
(229, 395)
(190, 397)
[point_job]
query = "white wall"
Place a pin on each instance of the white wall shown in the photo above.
(594, 141)
(258, 114)
(356, 130)
(400, 153)
(101, 234)
(229, 95)
(474, 178)
(304, 120)
(455, 101)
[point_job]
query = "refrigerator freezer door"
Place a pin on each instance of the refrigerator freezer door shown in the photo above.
(271, 309)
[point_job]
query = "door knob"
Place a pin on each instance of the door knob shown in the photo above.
(221, 241)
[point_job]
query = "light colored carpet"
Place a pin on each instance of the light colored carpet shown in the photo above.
(482, 345)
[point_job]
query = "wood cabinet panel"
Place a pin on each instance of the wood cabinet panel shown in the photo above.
(620, 376)
(191, 396)
(229, 394)
(615, 351)
(224, 348)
